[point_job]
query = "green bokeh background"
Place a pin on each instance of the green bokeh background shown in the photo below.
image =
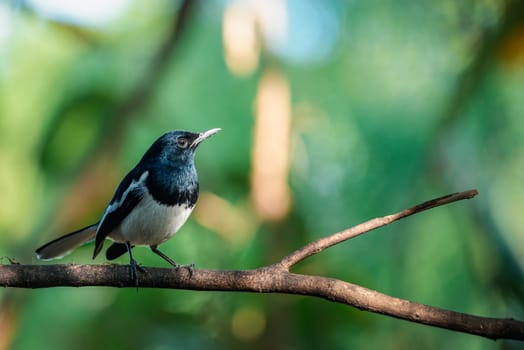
(398, 102)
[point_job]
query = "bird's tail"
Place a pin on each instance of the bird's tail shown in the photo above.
(62, 246)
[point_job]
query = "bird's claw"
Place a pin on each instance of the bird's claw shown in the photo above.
(189, 267)
(133, 267)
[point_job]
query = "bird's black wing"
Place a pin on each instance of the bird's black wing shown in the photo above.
(127, 196)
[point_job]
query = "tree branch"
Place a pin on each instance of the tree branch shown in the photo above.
(275, 279)
(262, 280)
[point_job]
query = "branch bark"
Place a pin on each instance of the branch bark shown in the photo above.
(276, 279)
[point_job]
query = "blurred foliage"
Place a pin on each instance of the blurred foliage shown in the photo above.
(390, 103)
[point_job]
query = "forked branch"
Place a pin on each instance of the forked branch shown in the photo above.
(276, 279)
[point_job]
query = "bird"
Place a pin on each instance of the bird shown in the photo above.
(149, 206)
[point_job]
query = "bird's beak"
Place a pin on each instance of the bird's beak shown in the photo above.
(204, 135)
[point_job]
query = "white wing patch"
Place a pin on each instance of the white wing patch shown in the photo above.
(134, 184)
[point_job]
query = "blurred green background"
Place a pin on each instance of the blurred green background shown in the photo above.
(333, 112)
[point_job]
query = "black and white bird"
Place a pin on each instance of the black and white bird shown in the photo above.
(149, 206)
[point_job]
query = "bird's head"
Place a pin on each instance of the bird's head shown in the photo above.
(177, 146)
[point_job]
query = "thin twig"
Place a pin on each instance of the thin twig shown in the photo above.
(323, 243)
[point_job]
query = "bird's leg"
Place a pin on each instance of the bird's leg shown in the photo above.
(189, 267)
(133, 265)
(155, 250)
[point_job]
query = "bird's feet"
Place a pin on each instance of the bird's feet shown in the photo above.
(189, 267)
(133, 267)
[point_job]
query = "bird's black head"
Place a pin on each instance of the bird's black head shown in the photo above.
(177, 147)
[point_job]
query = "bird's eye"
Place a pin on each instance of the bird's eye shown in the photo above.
(182, 142)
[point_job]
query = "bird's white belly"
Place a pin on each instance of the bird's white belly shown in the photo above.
(151, 223)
